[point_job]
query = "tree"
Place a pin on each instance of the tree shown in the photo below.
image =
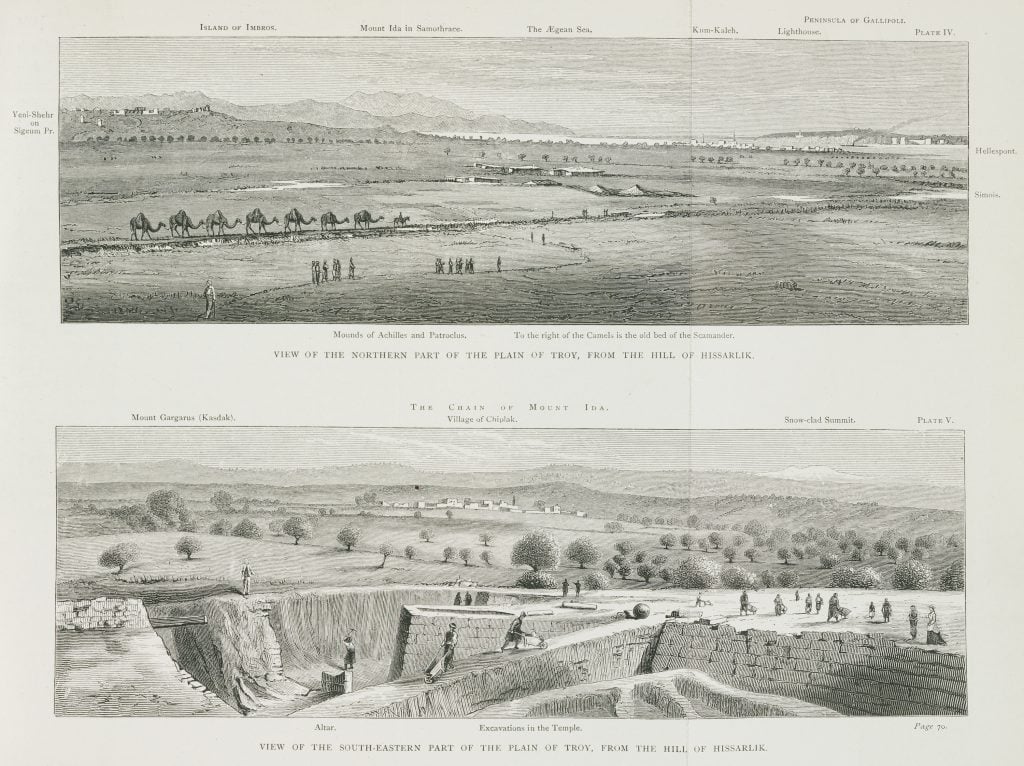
(787, 578)
(625, 570)
(903, 544)
(686, 540)
(755, 528)
(917, 554)
(465, 554)
(703, 544)
(582, 551)
(410, 552)
(625, 547)
(952, 577)
(385, 550)
(188, 546)
(751, 554)
(783, 555)
(486, 538)
(828, 560)
(715, 538)
(485, 556)
(298, 527)
(425, 534)
(911, 575)
(613, 527)
(879, 547)
(927, 542)
(610, 567)
(247, 528)
(659, 559)
(167, 505)
(767, 578)
(221, 501)
(537, 550)
(349, 536)
(697, 572)
(738, 540)
(646, 571)
(220, 527)
(729, 553)
(693, 521)
(736, 578)
(120, 556)
(647, 521)
(448, 552)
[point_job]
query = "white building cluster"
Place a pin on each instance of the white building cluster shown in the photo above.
(469, 504)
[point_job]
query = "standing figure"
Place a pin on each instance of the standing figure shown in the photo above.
(350, 651)
(818, 601)
(833, 607)
(912, 618)
(578, 586)
(565, 588)
(871, 611)
(246, 578)
(451, 266)
(316, 272)
(934, 631)
(326, 271)
(543, 239)
(499, 264)
(470, 266)
(744, 602)
(780, 608)
(211, 300)
(808, 604)
(886, 610)
(469, 599)
(451, 640)
(351, 269)
(797, 596)
(458, 265)
(458, 599)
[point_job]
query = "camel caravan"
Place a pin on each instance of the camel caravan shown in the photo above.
(181, 225)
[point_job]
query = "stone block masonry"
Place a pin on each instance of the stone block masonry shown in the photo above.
(101, 613)
(853, 673)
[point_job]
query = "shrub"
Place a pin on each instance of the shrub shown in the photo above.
(697, 572)
(703, 544)
(485, 556)
(349, 536)
(410, 552)
(686, 540)
(537, 550)
(953, 577)
(189, 546)
(582, 551)
(120, 556)
(767, 578)
(911, 575)
(787, 578)
(536, 580)
(465, 554)
(188, 523)
(221, 501)
(798, 553)
(927, 542)
(426, 534)
(613, 526)
(168, 506)
(386, 550)
(812, 551)
(855, 577)
(450, 514)
(755, 529)
(447, 553)
(486, 538)
(594, 581)
(247, 528)
(658, 559)
(417, 515)
(220, 527)
(828, 560)
(857, 555)
(665, 574)
(903, 544)
(639, 557)
(737, 578)
(693, 521)
(917, 554)
(625, 547)
(625, 570)
(610, 567)
(667, 541)
(298, 527)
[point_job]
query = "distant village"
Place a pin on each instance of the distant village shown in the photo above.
(469, 504)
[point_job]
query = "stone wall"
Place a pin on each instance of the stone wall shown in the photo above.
(853, 673)
(101, 613)
(422, 630)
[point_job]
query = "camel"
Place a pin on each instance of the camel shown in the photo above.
(181, 223)
(141, 224)
(216, 223)
(329, 219)
(364, 219)
(257, 218)
(401, 220)
(294, 218)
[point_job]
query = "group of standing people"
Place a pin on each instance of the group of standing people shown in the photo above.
(467, 601)
(457, 266)
(322, 273)
(565, 588)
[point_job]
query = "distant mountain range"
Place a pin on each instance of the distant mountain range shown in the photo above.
(813, 482)
(403, 112)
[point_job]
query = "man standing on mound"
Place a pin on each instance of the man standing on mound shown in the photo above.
(246, 578)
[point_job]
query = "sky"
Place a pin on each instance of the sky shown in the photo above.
(900, 457)
(596, 87)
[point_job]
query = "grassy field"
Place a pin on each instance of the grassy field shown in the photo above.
(751, 242)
